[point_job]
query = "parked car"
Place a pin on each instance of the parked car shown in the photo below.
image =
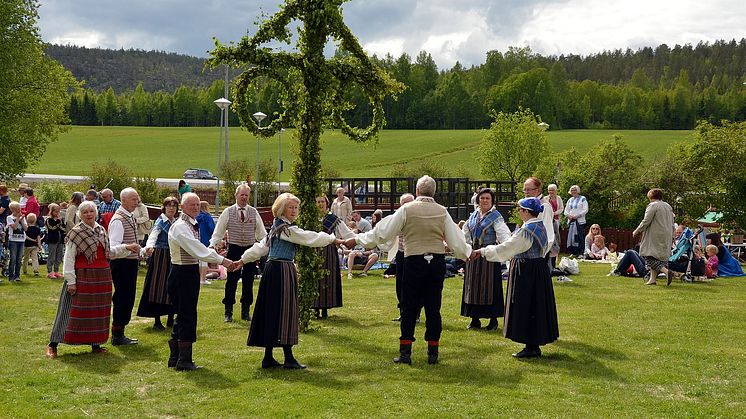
(198, 174)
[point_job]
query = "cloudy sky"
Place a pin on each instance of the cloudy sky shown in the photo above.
(450, 30)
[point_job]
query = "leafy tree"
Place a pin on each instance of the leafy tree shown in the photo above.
(512, 147)
(314, 89)
(33, 87)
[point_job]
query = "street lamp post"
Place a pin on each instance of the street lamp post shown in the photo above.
(279, 160)
(259, 116)
(223, 104)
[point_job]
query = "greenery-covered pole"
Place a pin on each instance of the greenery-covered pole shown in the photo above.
(313, 95)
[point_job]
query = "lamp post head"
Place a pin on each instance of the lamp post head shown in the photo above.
(259, 116)
(222, 103)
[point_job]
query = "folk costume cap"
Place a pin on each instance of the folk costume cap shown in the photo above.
(531, 204)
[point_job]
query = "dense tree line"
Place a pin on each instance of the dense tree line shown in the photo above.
(659, 88)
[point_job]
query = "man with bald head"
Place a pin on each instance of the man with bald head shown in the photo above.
(244, 227)
(183, 280)
(125, 259)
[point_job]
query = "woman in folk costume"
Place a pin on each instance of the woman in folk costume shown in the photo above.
(85, 301)
(483, 292)
(154, 301)
(275, 320)
(531, 312)
(330, 284)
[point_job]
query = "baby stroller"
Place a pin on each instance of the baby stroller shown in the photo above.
(682, 254)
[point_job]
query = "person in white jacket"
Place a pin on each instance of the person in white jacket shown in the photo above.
(575, 211)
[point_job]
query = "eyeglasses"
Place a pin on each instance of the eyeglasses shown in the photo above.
(529, 189)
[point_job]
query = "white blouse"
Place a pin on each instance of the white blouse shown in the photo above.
(293, 234)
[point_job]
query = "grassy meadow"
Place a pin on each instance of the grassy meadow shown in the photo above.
(625, 350)
(167, 152)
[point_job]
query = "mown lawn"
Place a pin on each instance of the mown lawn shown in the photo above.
(625, 350)
(167, 152)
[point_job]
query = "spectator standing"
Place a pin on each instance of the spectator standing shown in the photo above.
(184, 187)
(32, 245)
(656, 230)
(23, 198)
(206, 228)
(32, 205)
(55, 241)
(342, 206)
(575, 211)
(108, 204)
(142, 218)
(71, 215)
(4, 205)
(16, 227)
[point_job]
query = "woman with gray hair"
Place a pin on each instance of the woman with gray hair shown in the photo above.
(575, 211)
(656, 230)
(85, 300)
(275, 320)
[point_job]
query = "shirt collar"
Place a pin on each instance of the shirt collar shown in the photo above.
(424, 199)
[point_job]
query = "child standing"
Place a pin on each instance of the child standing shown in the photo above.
(17, 226)
(32, 245)
(711, 269)
(598, 250)
(54, 240)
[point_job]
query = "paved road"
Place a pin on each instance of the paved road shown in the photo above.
(38, 177)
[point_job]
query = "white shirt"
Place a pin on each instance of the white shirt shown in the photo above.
(293, 234)
(580, 208)
(222, 226)
(22, 223)
(516, 244)
(388, 229)
(117, 249)
(181, 236)
(156, 231)
(363, 225)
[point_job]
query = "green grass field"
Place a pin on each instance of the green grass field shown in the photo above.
(625, 350)
(167, 152)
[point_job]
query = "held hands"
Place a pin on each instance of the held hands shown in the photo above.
(133, 247)
(349, 243)
(475, 254)
(148, 251)
(236, 266)
(228, 264)
(339, 242)
(72, 289)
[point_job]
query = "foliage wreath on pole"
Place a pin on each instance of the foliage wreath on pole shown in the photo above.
(314, 98)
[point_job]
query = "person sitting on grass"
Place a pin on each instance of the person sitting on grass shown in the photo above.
(598, 250)
(711, 268)
(360, 256)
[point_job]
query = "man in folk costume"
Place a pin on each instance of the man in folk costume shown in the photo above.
(183, 280)
(125, 255)
(244, 227)
(330, 284)
(424, 224)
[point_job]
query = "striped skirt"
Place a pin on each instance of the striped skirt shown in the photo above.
(83, 318)
(154, 300)
(330, 285)
(483, 291)
(655, 264)
(275, 320)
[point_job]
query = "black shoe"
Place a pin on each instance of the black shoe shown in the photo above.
(293, 365)
(245, 312)
(475, 324)
(173, 358)
(432, 354)
(228, 318)
(185, 358)
(528, 353)
(405, 354)
(492, 325)
(270, 363)
(122, 340)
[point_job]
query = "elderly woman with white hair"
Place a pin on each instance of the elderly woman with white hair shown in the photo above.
(85, 301)
(558, 208)
(275, 320)
(575, 211)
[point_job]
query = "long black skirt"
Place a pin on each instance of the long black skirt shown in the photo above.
(482, 295)
(155, 301)
(531, 312)
(275, 321)
(330, 285)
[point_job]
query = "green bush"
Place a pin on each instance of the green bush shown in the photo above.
(233, 173)
(110, 173)
(150, 192)
(54, 191)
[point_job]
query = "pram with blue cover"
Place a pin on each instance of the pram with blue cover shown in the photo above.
(683, 253)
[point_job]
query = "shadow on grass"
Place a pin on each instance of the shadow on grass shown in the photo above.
(208, 378)
(102, 364)
(582, 360)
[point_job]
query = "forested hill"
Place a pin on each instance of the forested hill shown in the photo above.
(123, 69)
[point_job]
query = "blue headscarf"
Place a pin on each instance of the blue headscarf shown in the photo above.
(531, 204)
